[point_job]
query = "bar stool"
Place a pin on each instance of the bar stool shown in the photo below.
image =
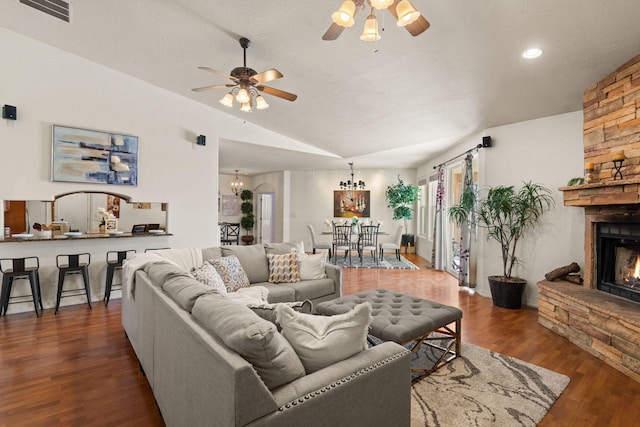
(20, 268)
(114, 262)
(73, 264)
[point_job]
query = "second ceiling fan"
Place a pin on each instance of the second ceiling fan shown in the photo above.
(405, 14)
(247, 84)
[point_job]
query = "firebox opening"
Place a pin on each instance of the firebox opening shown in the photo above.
(618, 260)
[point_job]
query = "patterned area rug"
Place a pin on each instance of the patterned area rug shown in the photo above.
(368, 262)
(483, 388)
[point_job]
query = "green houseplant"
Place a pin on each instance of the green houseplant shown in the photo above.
(248, 219)
(507, 215)
(401, 198)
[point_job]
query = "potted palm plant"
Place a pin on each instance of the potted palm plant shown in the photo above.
(401, 198)
(507, 215)
(248, 219)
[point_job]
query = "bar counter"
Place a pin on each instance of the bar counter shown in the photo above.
(84, 236)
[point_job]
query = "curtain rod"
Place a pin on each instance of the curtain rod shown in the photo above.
(477, 147)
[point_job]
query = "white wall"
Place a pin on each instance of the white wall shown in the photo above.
(548, 151)
(312, 198)
(50, 86)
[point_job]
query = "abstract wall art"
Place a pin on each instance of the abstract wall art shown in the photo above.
(350, 203)
(88, 156)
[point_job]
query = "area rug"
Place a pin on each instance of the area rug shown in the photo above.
(483, 388)
(368, 262)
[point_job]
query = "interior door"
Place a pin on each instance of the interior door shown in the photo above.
(15, 216)
(266, 226)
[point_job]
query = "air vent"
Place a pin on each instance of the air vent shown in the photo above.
(56, 8)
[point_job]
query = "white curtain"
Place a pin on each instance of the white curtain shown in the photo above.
(438, 252)
(467, 267)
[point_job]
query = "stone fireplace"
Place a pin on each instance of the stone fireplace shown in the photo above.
(602, 316)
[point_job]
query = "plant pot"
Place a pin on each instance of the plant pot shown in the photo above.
(507, 292)
(247, 239)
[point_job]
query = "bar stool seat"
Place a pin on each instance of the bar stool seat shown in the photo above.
(20, 268)
(115, 259)
(73, 264)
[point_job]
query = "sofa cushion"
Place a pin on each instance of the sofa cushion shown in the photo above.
(311, 289)
(209, 276)
(253, 259)
(231, 271)
(160, 271)
(211, 253)
(312, 266)
(320, 341)
(268, 311)
(283, 268)
(284, 247)
(185, 290)
(252, 337)
(279, 292)
(250, 295)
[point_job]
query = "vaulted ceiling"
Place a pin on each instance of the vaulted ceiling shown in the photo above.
(395, 102)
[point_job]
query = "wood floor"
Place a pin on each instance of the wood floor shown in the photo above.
(78, 369)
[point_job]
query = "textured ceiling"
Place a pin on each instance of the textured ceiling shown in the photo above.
(393, 103)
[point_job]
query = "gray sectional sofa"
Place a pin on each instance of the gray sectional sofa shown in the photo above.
(198, 380)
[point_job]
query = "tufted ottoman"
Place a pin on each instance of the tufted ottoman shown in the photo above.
(405, 319)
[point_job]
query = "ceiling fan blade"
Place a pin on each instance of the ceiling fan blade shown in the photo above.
(277, 92)
(211, 70)
(202, 89)
(333, 32)
(267, 76)
(417, 27)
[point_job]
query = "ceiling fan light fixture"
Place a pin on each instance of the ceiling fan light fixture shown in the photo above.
(243, 96)
(406, 13)
(246, 107)
(380, 4)
(370, 33)
(227, 100)
(344, 15)
(261, 103)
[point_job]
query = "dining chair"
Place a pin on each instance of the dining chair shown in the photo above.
(316, 244)
(395, 245)
(342, 241)
(231, 234)
(368, 241)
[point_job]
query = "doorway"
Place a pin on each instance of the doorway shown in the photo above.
(266, 223)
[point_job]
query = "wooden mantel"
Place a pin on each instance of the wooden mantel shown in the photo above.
(620, 192)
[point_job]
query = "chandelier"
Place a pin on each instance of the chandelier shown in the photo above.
(405, 13)
(352, 185)
(236, 185)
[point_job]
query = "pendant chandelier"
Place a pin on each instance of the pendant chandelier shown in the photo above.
(352, 185)
(236, 185)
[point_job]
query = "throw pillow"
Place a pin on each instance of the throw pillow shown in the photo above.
(208, 275)
(320, 341)
(253, 338)
(283, 268)
(231, 271)
(311, 267)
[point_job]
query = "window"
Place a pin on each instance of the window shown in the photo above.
(431, 206)
(422, 208)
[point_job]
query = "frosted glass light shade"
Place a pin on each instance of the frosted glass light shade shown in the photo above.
(406, 13)
(243, 96)
(227, 100)
(344, 15)
(380, 4)
(370, 33)
(261, 103)
(246, 107)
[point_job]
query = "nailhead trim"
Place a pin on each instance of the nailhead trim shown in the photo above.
(343, 380)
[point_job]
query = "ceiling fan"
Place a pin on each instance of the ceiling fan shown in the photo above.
(246, 84)
(405, 14)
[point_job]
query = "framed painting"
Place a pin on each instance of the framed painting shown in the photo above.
(89, 156)
(348, 203)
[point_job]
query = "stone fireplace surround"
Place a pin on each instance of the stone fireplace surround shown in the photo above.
(605, 325)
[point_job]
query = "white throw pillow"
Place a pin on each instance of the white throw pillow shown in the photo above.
(208, 275)
(250, 295)
(320, 341)
(311, 267)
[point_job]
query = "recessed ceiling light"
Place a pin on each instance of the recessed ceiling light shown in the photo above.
(532, 53)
